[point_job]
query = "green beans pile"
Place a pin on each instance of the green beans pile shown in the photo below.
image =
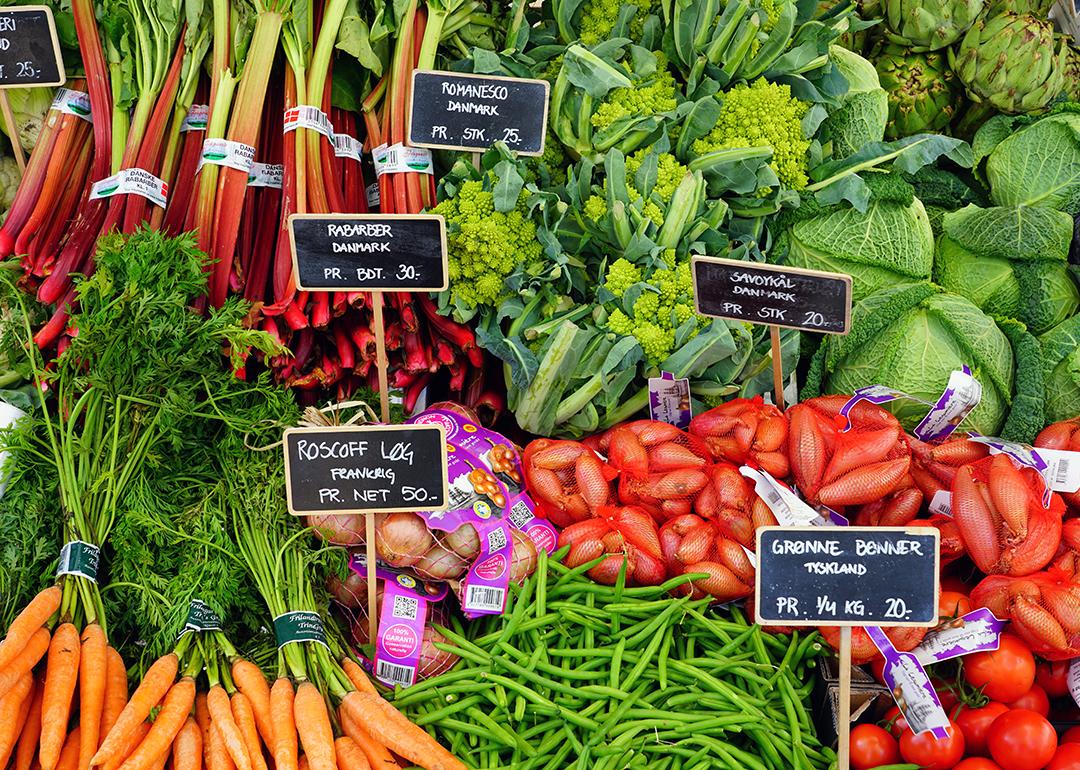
(580, 675)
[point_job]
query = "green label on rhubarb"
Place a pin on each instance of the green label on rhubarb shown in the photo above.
(297, 627)
(201, 618)
(79, 558)
(71, 102)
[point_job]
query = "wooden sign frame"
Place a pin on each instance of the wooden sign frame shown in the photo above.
(61, 73)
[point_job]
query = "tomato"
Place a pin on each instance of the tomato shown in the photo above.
(946, 695)
(872, 746)
(1005, 673)
(978, 763)
(1067, 757)
(877, 668)
(953, 583)
(1022, 740)
(1072, 735)
(933, 753)
(895, 722)
(1033, 700)
(1053, 677)
(974, 723)
(953, 604)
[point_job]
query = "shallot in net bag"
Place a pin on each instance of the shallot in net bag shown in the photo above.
(622, 533)
(1044, 608)
(746, 430)
(1064, 435)
(568, 481)
(691, 544)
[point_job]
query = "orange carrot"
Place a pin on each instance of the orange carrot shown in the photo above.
(249, 680)
(25, 660)
(133, 741)
(116, 694)
(217, 700)
(69, 753)
(27, 622)
(93, 675)
(357, 676)
(15, 703)
(391, 728)
(379, 757)
(285, 746)
(160, 762)
(313, 726)
(166, 725)
(302, 763)
(244, 715)
(28, 738)
(61, 675)
(202, 719)
(349, 755)
(188, 747)
(217, 757)
(24, 711)
(159, 678)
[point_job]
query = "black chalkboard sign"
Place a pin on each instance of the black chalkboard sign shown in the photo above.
(847, 576)
(462, 111)
(772, 294)
(29, 49)
(365, 468)
(369, 252)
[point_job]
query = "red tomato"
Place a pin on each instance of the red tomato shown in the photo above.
(1067, 757)
(872, 746)
(953, 604)
(974, 722)
(1033, 700)
(1005, 673)
(895, 722)
(953, 583)
(877, 667)
(932, 753)
(1022, 740)
(1053, 677)
(1072, 735)
(978, 763)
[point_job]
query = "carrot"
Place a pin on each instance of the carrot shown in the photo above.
(93, 676)
(68, 758)
(61, 675)
(187, 752)
(25, 660)
(313, 726)
(14, 705)
(160, 762)
(302, 763)
(379, 757)
(202, 719)
(116, 694)
(28, 622)
(349, 755)
(28, 738)
(133, 741)
(244, 715)
(217, 757)
(285, 746)
(358, 676)
(250, 681)
(166, 725)
(157, 681)
(389, 727)
(217, 700)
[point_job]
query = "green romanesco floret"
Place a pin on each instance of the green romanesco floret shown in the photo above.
(648, 96)
(595, 207)
(772, 15)
(484, 245)
(763, 114)
(655, 340)
(669, 172)
(621, 275)
(598, 19)
(647, 305)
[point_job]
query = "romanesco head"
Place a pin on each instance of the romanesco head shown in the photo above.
(647, 306)
(598, 19)
(654, 340)
(595, 207)
(763, 114)
(668, 174)
(621, 275)
(620, 323)
(649, 96)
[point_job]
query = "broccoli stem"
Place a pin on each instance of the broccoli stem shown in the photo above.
(579, 399)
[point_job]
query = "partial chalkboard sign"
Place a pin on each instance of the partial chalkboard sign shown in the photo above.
(462, 111)
(29, 48)
(365, 468)
(369, 252)
(847, 576)
(809, 300)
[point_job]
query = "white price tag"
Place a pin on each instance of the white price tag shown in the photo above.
(132, 181)
(346, 146)
(1063, 469)
(307, 116)
(196, 119)
(266, 175)
(399, 159)
(223, 152)
(941, 502)
(786, 506)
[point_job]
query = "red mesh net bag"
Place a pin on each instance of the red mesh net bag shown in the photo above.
(999, 510)
(863, 649)
(567, 480)
(952, 545)
(1063, 435)
(934, 466)
(730, 502)
(691, 544)
(619, 534)
(746, 430)
(1044, 609)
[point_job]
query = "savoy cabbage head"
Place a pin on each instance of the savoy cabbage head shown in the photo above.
(1061, 368)
(861, 117)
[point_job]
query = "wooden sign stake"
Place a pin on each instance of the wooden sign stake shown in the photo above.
(777, 367)
(843, 731)
(372, 600)
(12, 130)
(380, 354)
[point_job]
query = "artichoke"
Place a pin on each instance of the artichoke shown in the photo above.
(928, 25)
(923, 92)
(1071, 75)
(1037, 8)
(1010, 61)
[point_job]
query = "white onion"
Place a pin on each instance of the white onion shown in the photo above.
(463, 541)
(522, 558)
(401, 539)
(350, 592)
(339, 528)
(440, 564)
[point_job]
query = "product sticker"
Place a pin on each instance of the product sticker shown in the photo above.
(196, 119)
(79, 558)
(941, 502)
(1021, 453)
(373, 195)
(223, 152)
(485, 587)
(1062, 469)
(910, 687)
(398, 159)
(669, 400)
(977, 631)
(266, 175)
(307, 116)
(132, 181)
(200, 618)
(827, 517)
(401, 632)
(75, 103)
(786, 506)
(1074, 680)
(346, 146)
(961, 396)
(296, 627)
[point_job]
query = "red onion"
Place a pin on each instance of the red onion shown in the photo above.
(463, 541)
(350, 592)
(401, 539)
(522, 558)
(440, 564)
(339, 528)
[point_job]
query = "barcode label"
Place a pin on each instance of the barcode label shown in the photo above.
(1063, 469)
(520, 515)
(484, 599)
(496, 540)
(405, 607)
(399, 159)
(393, 674)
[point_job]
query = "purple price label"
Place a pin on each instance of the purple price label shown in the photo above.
(484, 589)
(977, 631)
(669, 400)
(401, 634)
(910, 687)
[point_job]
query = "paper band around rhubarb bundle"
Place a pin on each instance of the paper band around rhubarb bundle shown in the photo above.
(298, 627)
(307, 116)
(266, 175)
(196, 119)
(71, 102)
(400, 159)
(79, 558)
(132, 181)
(224, 152)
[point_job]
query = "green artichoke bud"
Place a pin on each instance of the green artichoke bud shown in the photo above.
(1071, 75)
(1010, 61)
(927, 25)
(923, 92)
(1037, 8)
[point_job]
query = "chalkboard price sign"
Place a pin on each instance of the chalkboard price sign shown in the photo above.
(809, 300)
(847, 576)
(29, 49)
(365, 468)
(369, 252)
(462, 111)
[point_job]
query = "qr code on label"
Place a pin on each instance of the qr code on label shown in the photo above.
(496, 540)
(520, 515)
(393, 674)
(405, 607)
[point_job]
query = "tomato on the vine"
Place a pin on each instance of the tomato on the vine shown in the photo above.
(895, 722)
(974, 724)
(930, 752)
(978, 763)
(1003, 674)
(1022, 740)
(1033, 700)
(871, 746)
(953, 604)
(1067, 757)
(1072, 735)
(1053, 677)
